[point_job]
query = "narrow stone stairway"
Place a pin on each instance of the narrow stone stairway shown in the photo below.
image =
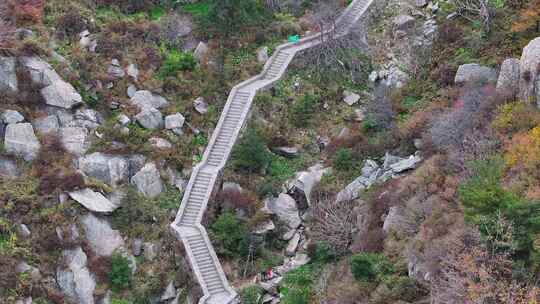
(187, 224)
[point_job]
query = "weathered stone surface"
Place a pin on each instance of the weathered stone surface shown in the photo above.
(115, 70)
(262, 55)
(406, 164)
(529, 83)
(46, 124)
(61, 94)
(305, 181)
(74, 139)
(101, 237)
(174, 121)
(131, 90)
(10, 116)
(403, 22)
(123, 119)
(474, 73)
(284, 207)
(150, 118)
(200, 105)
(20, 140)
(350, 98)
(110, 169)
(160, 143)
(148, 181)
(133, 71)
(289, 152)
(293, 244)
(201, 51)
(169, 293)
(421, 3)
(370, 172)
(8, 168)
(136, 247)
(264, 227)
(145, 99)
(508, 82)
(150, 251)
(75, 280)
(93, 201)
(86, 118)
(8, 75)
(41, 73)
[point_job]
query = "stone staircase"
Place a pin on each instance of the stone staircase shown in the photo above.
(187, 224)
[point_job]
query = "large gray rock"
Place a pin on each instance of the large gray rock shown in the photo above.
(61, 94)
(150, 118)
(474, 73)
(284, 207)
(110, 169)
(529, 83)
(75, 280)
(11, 116)
(20, 140)
(74, 139)
(146, 99)
(41, 73)
(93, 201)
(8, 168)
(350, 98)
(304, 182)
(174, 121)
(101, 237)
(8, 75)
(46, 124)
(508, 82)
(148, 181)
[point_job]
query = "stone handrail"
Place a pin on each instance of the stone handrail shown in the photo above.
(187, 225)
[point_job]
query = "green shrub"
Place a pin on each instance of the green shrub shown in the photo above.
(120, 301)
(227, 16)
(483, 194)
(177, 61)
(251, 153)
(343, 160)
(485, 200)
(251, 294)
(303, 110)
(321, 253)
(120, 274)
(297, 285)
(231, 235)
(370, 267)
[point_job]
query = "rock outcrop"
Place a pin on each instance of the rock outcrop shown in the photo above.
(20, 140)
(508, 82)
(93, 201)
(529, 83)
(103, 240)
(75, 280)
(8, 75)
(473, 73)
(148, 181)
